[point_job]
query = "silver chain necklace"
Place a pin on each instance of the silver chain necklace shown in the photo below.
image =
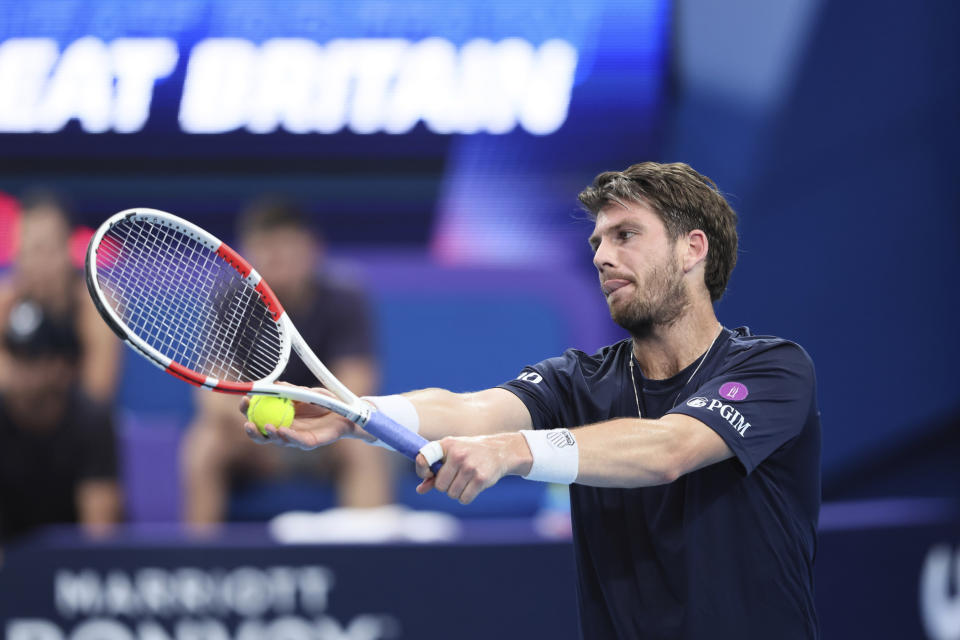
(703, 358)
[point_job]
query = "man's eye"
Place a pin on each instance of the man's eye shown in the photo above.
(626, 235)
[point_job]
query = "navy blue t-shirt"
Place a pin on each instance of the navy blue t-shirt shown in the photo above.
(725, 551)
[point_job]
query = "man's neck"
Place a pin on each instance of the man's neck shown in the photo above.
(669, 349)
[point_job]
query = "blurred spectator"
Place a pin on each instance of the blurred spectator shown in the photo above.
(58, 454)
(44, 275)
(216, 457)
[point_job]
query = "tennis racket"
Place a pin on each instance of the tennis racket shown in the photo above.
(195, 308)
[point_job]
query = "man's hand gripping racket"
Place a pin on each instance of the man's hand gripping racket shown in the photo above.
(192, 306)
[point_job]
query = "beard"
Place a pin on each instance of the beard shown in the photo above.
(660, 299)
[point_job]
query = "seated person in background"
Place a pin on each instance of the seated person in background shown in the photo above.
(43, 273)
(58, 459)
(333, 318)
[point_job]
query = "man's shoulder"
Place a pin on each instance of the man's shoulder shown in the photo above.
(588, 363)
(337, 283)
(599, 358)
(745, 345)
(574, 387)
(335, 294)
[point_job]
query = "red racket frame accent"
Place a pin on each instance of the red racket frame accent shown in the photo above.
(270, 299)
(239, 388)
(244, 268)
(234, 259)
(187, 375)
(177, 370)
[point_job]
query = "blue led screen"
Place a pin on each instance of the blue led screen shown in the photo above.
(440, 113)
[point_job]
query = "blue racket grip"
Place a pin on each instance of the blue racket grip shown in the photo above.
(397, 436)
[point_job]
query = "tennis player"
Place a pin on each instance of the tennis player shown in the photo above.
(692, 450)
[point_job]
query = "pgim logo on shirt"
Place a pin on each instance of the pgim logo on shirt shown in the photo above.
(736, 419)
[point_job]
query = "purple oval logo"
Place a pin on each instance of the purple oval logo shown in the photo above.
(733, 391)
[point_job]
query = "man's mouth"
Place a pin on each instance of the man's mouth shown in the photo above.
(609, 286)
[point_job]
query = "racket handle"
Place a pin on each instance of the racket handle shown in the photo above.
(397, 436)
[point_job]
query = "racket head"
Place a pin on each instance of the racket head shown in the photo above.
(186, 301)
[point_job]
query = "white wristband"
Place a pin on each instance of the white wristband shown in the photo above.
(556, 456)
(398, 409)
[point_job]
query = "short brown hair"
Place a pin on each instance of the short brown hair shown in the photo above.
(685, 200)
(271, 212)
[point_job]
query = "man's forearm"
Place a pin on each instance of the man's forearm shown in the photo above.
(634, 452)
(442, 413)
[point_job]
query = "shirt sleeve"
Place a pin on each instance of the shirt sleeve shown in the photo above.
(758, 405)
(545, 389)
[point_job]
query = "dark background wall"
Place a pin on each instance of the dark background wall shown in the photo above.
(834, 127)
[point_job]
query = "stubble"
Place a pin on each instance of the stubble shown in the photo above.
(659, 301)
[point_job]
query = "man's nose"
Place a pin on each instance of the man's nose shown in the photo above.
(603, 257)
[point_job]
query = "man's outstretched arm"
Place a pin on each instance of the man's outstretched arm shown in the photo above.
(479, 435)
(635, 452)
(626, 452)
(440, 414)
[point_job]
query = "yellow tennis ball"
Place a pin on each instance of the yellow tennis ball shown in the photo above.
(264, 410)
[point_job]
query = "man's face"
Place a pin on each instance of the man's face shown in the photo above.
(285, 257)
(639, 266)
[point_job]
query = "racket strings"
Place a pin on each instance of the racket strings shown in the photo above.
(177, 310)
(140, 301)
(207, 273)
(185, 301)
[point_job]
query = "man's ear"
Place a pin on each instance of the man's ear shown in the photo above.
(695, 247)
